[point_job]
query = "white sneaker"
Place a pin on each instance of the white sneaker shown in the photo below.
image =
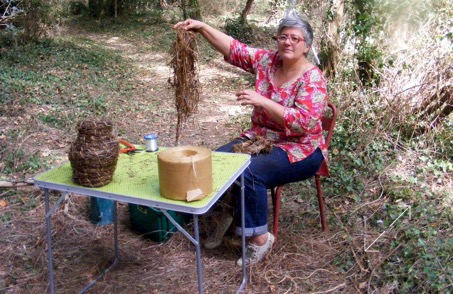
(215, 240)
(255, 253)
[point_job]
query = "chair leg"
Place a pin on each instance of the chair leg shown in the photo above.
(276, 201)
(321, 203)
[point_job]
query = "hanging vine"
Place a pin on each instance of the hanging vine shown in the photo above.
(185, 77)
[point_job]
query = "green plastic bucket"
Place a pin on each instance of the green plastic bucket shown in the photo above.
(153, 224)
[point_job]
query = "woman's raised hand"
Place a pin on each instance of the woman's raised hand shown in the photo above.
(189, 25)
(219, 40)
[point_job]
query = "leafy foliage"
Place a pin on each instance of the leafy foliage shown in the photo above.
(30, 23)
(239, 30)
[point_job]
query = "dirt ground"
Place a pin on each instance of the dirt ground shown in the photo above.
(301, 262)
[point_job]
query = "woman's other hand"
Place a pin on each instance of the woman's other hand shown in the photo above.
(250, 97)
(189, 25)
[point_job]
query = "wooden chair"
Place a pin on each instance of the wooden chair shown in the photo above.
(328, 124)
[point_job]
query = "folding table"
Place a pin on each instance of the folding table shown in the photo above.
(136, 181)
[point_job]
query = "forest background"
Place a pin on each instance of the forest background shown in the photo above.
(389, 199)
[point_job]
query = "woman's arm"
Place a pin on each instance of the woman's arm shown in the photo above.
(220, 41)
(308, 109)
(303, 116)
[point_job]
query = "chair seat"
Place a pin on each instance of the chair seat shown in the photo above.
(323, 170)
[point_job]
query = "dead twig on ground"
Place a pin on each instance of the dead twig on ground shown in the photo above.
(15, 184)
(342, 285)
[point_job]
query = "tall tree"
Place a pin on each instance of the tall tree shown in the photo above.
(330, 44)
(246, 11)
(100, 8)
(191, 9)
(368, 21)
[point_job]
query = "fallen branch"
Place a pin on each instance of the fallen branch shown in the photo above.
(342, 285)
(15, 184)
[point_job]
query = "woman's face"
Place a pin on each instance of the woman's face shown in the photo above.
(293, 47)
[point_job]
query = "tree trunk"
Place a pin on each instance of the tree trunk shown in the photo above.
(191, 9)
(245, 12)
(101, 8)
(331, 43)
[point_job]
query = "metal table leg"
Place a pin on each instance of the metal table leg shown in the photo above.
(49, 212)
(195, 241)
(116, 259)
(49, 240)
(198, 249)
(244, 268)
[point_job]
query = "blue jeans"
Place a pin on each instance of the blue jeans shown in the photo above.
(267, 171)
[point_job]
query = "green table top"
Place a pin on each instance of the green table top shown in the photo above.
(136, 180)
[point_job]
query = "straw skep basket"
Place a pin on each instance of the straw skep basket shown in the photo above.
(94, 154)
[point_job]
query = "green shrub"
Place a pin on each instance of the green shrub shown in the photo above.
(239, 30)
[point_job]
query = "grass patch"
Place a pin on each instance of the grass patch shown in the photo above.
(63, 75)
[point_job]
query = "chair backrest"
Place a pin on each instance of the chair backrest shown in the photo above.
(328, 124)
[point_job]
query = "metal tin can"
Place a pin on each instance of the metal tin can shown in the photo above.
(151, 143)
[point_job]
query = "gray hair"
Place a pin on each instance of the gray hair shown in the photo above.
(293, 20)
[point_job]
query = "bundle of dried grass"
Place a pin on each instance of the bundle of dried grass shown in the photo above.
(185, 79)
(254, 146)
(94, 154)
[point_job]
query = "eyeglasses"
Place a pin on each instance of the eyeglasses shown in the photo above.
(292, 39)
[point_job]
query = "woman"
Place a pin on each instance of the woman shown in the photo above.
(288, 102)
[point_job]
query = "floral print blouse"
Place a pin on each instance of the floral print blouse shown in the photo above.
(304, 99)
